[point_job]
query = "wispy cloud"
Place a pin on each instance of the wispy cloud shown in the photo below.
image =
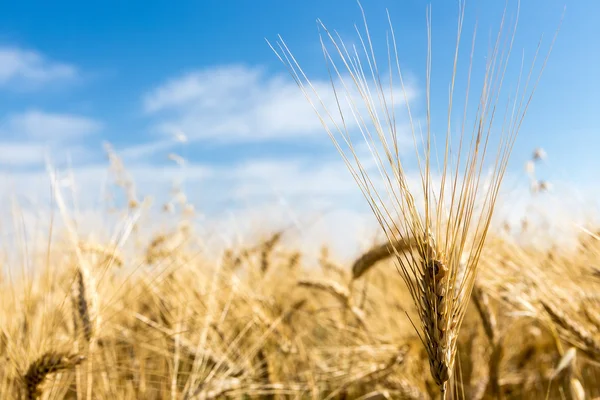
(27, 138)
(36, 124)
(21, 154)
(143, 150)
(252, 182)
(27, 69)
(207, 87)
(35, 154)
(241, 104)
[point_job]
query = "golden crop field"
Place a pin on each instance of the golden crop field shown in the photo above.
(449, 303)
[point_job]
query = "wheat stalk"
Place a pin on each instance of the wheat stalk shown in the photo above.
(456, 212)
(377, 372)
(490, 326)
(341, 293)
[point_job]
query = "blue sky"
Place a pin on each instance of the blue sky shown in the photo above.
(75, 74)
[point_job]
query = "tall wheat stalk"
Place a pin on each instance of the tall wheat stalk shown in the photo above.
(451, 220)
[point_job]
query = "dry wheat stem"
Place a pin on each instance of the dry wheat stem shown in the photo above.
(338, 291)
(406, 389)
(375, 373)
(488, 319)
(185, 344)
(334, 288)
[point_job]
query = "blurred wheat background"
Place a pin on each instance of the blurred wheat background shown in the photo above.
(150, 315)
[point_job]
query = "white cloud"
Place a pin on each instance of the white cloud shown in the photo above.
(19, 154)
(35, 124)
(304, 178)
(27, 154)
(235, 103)
(27, 138)
(208, 87)
(143, 150)
(29, 68)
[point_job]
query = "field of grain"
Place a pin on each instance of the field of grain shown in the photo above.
(448, 304)
(165, 321)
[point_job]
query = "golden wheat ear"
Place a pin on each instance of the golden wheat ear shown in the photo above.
(49, 363)
(447, 214)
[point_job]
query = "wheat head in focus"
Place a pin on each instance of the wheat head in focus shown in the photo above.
(448, 211)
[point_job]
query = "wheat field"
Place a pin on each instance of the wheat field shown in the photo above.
(164, 321)
(447, 305)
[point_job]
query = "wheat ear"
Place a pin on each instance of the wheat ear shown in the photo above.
(456, 212)
(85, 314)
(379, 253)
(579, 333)
(47, 364)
